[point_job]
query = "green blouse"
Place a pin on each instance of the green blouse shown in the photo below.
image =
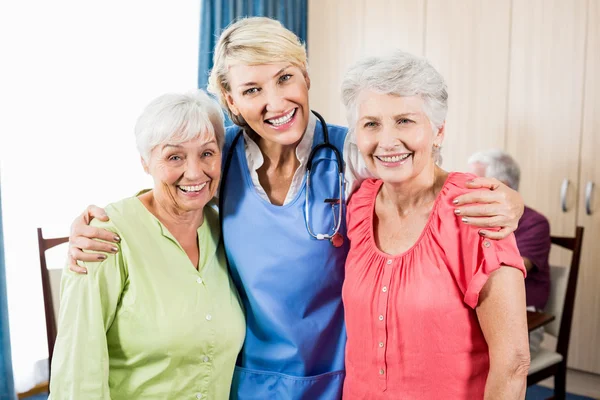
(144, 323)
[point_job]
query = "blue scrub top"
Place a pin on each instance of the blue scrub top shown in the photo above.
(289, 282)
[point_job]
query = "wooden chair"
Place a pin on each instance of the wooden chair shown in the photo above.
(50, 287)
(51, 291)
(560, 304)
(41, 388)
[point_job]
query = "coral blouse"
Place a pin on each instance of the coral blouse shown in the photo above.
(412, 328)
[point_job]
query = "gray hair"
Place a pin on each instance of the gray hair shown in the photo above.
(176, 118)
(500, 165)
(399, 74)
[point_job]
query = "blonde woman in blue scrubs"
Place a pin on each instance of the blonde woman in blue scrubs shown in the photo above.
(161, 319)
(289, 279)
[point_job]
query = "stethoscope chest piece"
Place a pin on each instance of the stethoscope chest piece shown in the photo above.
(337, 240)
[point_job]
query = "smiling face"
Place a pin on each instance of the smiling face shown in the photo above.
(395, 136)
(186, 175)
(272, 99)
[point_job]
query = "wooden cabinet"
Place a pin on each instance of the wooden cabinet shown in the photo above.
(335, 40)
(585, 351)
(552, 130)
(545, 104)
(457, 43)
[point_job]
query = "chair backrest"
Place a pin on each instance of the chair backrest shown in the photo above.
(559, 276)
(563, 286)
(50, 288)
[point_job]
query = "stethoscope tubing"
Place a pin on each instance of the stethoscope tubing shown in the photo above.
(325, 145)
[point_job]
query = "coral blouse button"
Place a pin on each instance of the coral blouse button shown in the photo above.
(487, 243)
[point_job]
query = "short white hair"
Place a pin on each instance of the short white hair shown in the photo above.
(500, 165)
(399, 74)
(176, 118)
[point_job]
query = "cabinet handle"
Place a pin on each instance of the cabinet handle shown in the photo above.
(563, 195)
(589, 188)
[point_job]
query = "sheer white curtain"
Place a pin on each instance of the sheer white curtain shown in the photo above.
(75, 76)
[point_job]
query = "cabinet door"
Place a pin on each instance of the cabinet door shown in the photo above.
(335, 40)
(468, 42)
(341, 32)
(585, 336)
(545, 103)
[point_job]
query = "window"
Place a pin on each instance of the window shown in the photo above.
(79, 75)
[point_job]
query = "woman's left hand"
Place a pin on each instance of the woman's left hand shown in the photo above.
(498, 207)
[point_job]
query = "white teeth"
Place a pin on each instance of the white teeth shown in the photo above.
(195, 188)
(393, 158)
(283, 120)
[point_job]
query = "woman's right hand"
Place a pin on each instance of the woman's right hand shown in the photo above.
(84, 237)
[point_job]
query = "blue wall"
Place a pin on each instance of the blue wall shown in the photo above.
(217, 14)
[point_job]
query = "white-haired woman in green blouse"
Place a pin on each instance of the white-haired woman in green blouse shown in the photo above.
(160, 319)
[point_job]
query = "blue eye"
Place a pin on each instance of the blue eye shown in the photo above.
(250, 91)
(404, 121)
(284, 78)
(370, 124)
(174, 158)
(207, 154)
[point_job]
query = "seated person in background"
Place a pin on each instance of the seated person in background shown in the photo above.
(160, 319)
(533, 233)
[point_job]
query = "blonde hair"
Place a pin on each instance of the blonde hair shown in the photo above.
(252, 41)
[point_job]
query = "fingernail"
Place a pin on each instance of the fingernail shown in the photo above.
(464, 219)
(114, 249)
(470, 181)
(454, 201)
(117, 239)
(84, 271)
(456, 211)
(482, 233)
(101, 256)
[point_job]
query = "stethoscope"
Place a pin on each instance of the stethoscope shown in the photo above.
(334, 236)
